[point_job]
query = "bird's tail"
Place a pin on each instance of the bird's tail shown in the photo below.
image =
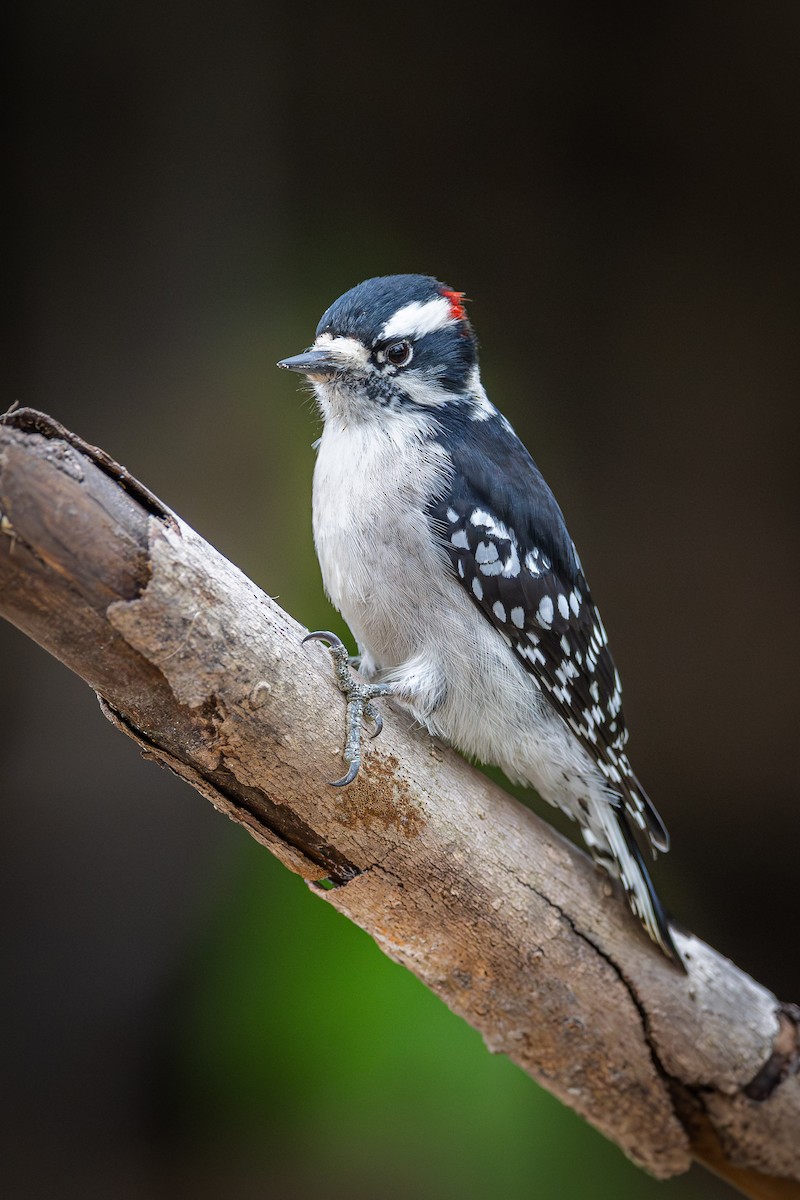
(612, 843)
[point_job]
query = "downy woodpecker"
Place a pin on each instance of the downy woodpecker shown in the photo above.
(445, 551)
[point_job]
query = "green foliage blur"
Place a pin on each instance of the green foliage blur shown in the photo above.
(307, 1061)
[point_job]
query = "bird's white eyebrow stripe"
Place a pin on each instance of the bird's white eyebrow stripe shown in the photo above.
(416, 319)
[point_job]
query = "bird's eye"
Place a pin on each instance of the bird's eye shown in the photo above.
(399, 353)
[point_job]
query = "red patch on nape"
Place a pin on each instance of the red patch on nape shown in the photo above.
(457, 310)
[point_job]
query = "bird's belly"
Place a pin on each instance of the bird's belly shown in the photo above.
(418, 629)
(452, 670)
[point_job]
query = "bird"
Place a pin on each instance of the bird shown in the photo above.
(447, 554)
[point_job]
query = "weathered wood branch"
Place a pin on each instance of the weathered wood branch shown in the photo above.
(484, 902)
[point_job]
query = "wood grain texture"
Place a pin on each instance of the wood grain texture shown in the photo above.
(495, 912)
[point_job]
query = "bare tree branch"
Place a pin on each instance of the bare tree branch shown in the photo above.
(506, 921)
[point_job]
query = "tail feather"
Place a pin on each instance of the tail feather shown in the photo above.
(640, 808)
(614, 845)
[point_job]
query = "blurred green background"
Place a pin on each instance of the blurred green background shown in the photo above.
(616, 191)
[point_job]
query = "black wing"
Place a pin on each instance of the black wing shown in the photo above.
(509, 546)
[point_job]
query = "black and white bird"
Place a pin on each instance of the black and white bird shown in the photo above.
(445, 551)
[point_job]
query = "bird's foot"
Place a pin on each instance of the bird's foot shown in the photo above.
(359, 698)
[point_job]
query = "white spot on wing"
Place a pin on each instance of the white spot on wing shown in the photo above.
(477, 588)
(545, 612)
(498, 608)
(486, 552)
(511, 567)
(460, 539)
(531, 564)
(495, 528)
(518, 617)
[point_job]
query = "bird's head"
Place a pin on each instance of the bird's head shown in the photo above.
(394, 344)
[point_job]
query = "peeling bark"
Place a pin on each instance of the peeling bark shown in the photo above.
(495, 912)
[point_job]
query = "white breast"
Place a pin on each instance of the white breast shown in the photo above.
(372, 482)
(415, 625)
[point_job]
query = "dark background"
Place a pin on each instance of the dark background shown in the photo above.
(616, 191)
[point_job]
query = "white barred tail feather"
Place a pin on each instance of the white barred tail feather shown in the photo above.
(613, 845)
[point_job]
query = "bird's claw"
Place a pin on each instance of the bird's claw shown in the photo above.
(349, 777)
(359, 698)
(323, 635)
(371, 714)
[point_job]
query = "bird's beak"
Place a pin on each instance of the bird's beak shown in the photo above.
(313, 362)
